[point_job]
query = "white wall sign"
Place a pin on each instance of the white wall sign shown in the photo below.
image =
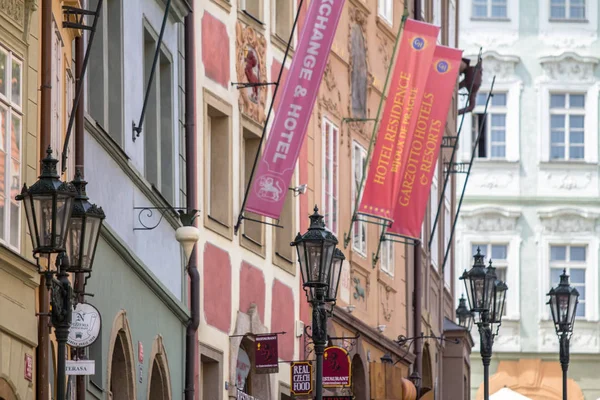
(345, 283)
(80, 367)
(85, 325)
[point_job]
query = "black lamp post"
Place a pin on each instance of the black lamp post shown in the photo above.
(464, 315)
(487, 297)
(64, 224)
(563, 305)
(320, 266)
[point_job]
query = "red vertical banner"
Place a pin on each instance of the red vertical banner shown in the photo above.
(397, 123)
(421, 157)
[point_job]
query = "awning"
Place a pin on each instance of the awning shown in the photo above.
(507, 394)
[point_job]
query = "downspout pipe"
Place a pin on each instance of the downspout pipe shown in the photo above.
(42, 361)
(191, 354)
(418, 277)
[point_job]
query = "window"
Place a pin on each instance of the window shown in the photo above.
(158, 129)
(452, 23)
(433, 205)
(252, 232)
(447, 231)
(211, 373)
(385, 9)
(492, 143)
(489, 8)
(284, 18)
(437, 18)
(105, 74)
(218, 169)
(498, 253)
(11, 125)
(573, 260)
(387, 257)
(284, 253)
(70, 95)
(567, 120)
(359, 233)
(567, 9)
(330, 175)
(56, 131)
(253, 8)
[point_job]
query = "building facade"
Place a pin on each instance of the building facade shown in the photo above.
(531, 201)
(19, 68)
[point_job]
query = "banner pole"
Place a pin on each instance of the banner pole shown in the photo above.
(372, 141)
(447, 177)
(382, 238)
(264, 132)
(467, 177)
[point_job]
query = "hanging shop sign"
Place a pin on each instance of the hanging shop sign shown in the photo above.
(336, 367)
(266, 358)
(302, 378)
(28, 367)
(338, 397)
(85, 325)
(243, 396)
(80, 367)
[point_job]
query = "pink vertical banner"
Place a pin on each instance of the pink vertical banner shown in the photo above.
(276, 167)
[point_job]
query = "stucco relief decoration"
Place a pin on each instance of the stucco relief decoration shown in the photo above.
(331, 98)
(569, 67)
(384, 50)
(490, 41)
(493, 180)
(386, 295)
(14, 9)
(490, 220)
(566, 180)
(251, 68)
(568, 221)
(501, 66)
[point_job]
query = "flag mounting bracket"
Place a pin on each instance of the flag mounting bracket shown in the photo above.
(456, 167)
(392, 238)
(449, 142)
(244, 85)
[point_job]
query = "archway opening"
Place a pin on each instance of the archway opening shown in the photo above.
(359, 386)
(6, 391)
(120, 371)
(158, 382)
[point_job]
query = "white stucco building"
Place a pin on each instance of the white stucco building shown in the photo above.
(532, 196)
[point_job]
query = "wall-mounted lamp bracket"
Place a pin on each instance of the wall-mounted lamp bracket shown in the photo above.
(244, 85)
(186, 217)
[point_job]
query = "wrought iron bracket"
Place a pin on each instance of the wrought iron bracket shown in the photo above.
(79, 14)
(448, 142)
(456, 167)
(402, 341)
(186, 218)
(244, 85)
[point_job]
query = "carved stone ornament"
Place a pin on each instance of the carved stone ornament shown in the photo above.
(359, 290)
(503, 67)
(19, 12)
(490, 219)
(569, 67)
(331, 97)
(495, 180)
(567, 180)
(383, 50)
(386, 296)
(251, 67)
(568, 221)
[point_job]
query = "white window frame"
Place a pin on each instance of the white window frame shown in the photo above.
(433, 204)
(12, 109)
(591, 118)
(452, 16)
(513, 102)
(488, 4)
(561, 31)
(591, 273)
(491, 110)
(358, 149)
(328, 202)
(513, 241)
(567, 112)
(568, 12)
(386, 256)
(385, 10)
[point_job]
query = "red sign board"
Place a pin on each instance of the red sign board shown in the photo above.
(140, 352)
(28, 367)
(301, 381)
(338, 397)
(336, 367)
(266, 359)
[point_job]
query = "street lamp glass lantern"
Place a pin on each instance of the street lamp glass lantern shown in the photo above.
(563, 304)
(48, 207)
(464, 315)
(84, 230)
(336, 273)
(315, 253)
(479, 285)
(499, 302)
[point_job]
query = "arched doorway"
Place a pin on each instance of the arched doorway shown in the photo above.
(121, 373)
(359, 386)
(159, 383)
(6, 390)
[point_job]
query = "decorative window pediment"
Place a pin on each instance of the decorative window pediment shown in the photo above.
(569, 67)
(490, 219)
(502, 66)
(568, 220)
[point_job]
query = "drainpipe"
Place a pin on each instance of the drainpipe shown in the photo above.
(191, 354)
(42, 361)
(79, 163)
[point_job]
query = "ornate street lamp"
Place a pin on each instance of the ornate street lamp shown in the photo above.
(84, 229)
(487, 297)
(320, 277)
(464, 315)
(48, 207)
(563, 306)
(64, 223)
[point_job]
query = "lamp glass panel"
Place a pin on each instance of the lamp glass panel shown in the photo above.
(74, 241)
(553, 308)
(335, 279)
(478, 292)
(490, 284)
(498, 309)
(30, 220)
(64, 208)
(327, 261)
(572, 306)
(301, 249)
(563, 308)
(314, 252)
(471, 305)
(92, 231)
(42, 211)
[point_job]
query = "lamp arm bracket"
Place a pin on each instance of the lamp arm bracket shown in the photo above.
(147, 213)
